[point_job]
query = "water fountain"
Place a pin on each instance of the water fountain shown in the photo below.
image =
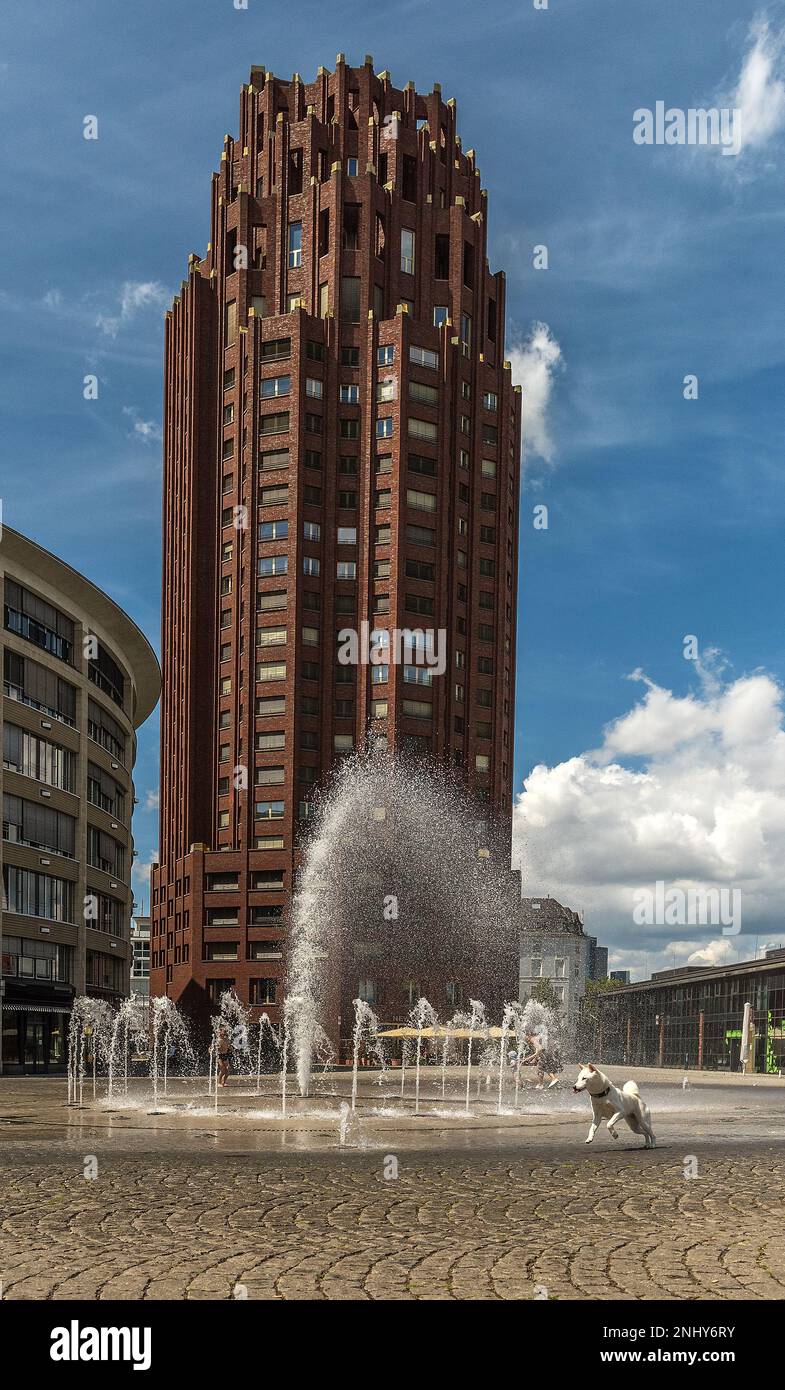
(404, 1060)
(266, 1030)
(129, 1037)
(150, 1033)
(112, 1038)
(322, 1050)
(392, 870)
(235, 1017)
(422, 1016)
(476, 1023)
(170, 1036)
(540, 1021)
(486, 1064)
(344, 1117)
(445, 1052)
(366, 1030)
(511, 1015)
(89, 1037)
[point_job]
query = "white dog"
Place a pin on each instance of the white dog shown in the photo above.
(608, 1101)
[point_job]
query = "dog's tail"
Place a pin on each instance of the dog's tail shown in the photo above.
(630, 1088)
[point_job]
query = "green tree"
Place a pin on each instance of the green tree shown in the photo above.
(543, 992)
(587, 1023)
(595, 988)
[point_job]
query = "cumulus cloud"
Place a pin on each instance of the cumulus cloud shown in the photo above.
(135, 295)
(535, 363)
(719, 952)
(759, 95)
(688, 790)
(151, 801)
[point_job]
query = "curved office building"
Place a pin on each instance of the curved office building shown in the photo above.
(78, 679)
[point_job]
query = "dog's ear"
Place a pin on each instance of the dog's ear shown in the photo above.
(590, 1067)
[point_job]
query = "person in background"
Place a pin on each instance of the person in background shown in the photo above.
(545, 1059)
(224, 1056)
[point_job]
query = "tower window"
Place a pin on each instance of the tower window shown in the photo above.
(441, 268)
(351, 227)
(407, 251)
(409, 178)
(295, 172)
(324, 231)
(295, 245)
(350, 298)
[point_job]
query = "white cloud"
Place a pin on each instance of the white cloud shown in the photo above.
(134, 296)
(142, 871)
(146, 430)
(719, 952)
(534, 365)
(53, 299)
(702, 805)
(759, 95)
(139, 294)
(151, 801)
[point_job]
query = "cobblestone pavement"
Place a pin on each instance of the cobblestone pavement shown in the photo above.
(505, 1216)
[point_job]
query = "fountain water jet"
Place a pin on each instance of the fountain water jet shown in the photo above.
(366, 1027)
(476, 1023)
(216, 1024)
(405, 1052)
(509, 1017)
(129, 1033)
(90, 1023)
(169, 1030)
(265, 1028)
(235, 1018)
(344, 1114)
(422, 1016)
(390, 831)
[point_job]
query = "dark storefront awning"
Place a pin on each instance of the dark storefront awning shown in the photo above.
(57, 1006)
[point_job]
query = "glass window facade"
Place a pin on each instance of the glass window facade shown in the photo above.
(696, 1022)
(37, 621)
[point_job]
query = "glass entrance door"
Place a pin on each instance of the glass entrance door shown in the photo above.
(35, 1055)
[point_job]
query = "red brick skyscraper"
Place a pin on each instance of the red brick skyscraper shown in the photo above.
(342, 443)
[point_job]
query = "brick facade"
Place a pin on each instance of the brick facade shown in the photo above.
(335, 374)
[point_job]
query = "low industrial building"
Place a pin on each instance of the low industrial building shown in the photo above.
(694, 1018)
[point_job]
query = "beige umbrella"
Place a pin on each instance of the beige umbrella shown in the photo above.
(411, 1033)
(442, 1032)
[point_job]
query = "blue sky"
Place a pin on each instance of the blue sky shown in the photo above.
(665, 515)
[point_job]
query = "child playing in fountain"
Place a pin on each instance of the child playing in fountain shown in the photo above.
(224, 1056)
(545, 1057)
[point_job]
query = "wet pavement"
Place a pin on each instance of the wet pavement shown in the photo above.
(194, 1203)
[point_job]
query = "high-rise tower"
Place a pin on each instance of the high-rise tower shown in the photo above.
(342, 444)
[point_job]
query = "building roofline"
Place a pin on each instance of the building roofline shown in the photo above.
(133, 647)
